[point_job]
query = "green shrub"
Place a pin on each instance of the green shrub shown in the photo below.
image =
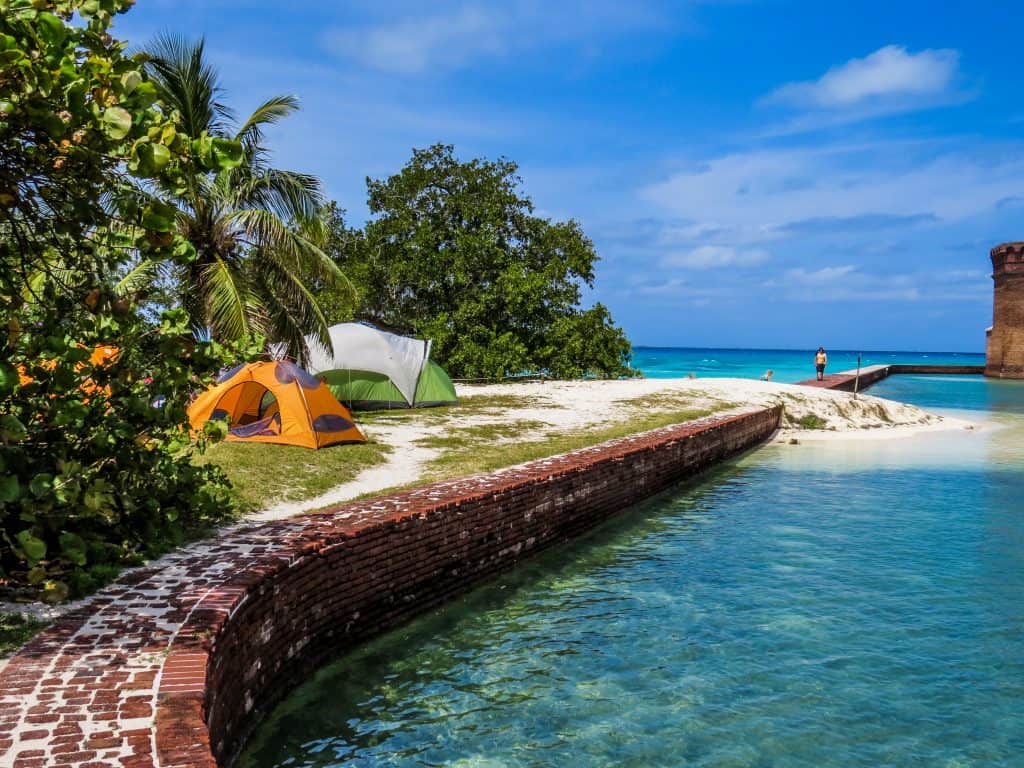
(92, 474)
(811, 421)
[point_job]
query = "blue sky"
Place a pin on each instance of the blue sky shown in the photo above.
(757, 174)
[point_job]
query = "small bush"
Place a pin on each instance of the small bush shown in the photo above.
(811, 421)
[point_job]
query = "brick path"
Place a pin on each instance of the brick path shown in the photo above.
(89, 690)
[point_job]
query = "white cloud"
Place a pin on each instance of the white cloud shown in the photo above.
(712, 256)
(413, 44)
(763, 190)
(823, 276)
(888, 73)
(449, 36)
(670, 287)
(847, 282)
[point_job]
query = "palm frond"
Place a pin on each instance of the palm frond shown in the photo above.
(256, 229)
(293, 311)
(188, 83)
(271, 111)
(140, 276)
(291, 195)
(230, 304)
(275, 241)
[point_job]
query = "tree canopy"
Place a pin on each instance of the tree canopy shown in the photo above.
(135, 212)
(94, 462)
(254, 227)
(455, 253)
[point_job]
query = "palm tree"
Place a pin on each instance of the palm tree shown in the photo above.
(255, 228)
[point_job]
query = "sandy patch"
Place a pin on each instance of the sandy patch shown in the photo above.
(403, 466)
(565, 406)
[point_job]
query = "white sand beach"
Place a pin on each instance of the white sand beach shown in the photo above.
(555, 407)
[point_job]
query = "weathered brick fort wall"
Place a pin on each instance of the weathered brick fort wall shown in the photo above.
(1004, 343)
(176, 663)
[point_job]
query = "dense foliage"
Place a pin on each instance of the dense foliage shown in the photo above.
(92, 473)
(255, 228)
(136, 218)
(455, 254)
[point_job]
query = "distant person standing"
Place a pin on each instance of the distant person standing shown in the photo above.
(820, 361)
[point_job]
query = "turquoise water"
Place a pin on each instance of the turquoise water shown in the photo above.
(846, 604)
(788, 365)
(967, 393)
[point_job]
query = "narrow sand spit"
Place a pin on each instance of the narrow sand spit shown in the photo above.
(558, 407)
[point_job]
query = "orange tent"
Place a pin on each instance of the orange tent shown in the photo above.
(275, 402)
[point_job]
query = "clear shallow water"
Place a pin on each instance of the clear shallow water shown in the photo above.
(960, 393)
(815, 605)
(788, 365)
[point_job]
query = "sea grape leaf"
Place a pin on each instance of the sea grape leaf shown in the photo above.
(10, 489)
(33, 547)
(117, 122)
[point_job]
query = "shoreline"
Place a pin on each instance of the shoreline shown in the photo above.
(558, 407)
(176, 662)
(581, 405)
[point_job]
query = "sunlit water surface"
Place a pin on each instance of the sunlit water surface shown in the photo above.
(838, 604)
(787, 365)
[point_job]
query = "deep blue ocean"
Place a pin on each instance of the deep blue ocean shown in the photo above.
(847, 603)
(789, 365)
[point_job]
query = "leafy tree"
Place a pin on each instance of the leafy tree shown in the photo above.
(456, 254)
(254, 227)
(339, 300)
(92, 475)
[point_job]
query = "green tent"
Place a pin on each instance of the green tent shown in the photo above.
(434, 387)
(372, 369)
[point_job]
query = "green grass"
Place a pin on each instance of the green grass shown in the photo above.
(264, 473)
(15, 631)
(810, 421)
(474, 450)
(474, 405)
(881, 413)
(465, 438)
(496, 404)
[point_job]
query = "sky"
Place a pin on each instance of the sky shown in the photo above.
(760, 173)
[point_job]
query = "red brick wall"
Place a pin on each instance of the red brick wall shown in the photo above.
(175, 663)
(348, 588)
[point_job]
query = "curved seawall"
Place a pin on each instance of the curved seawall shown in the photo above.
(177, 662)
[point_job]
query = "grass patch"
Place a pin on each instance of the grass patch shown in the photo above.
(264, 473)
(477, 453)
(461, 438)
(491, 404)
(15, 631)
(810, 421)
(474, 405)
(658, 401)
(842, 410)
(389, 417)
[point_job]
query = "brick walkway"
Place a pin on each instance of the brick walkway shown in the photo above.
(121, 680)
